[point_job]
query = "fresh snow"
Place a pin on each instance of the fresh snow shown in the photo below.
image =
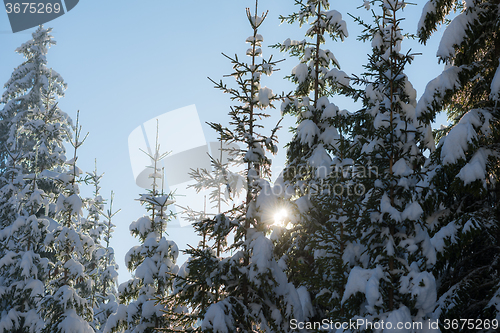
(301, 71)
(412, 211)
(307, 131)
(447, 232)
(495, 85)
(365, 281)
(265, 94)
(401, 168)
(215, 318)
(475, 169)
(428, 9)
(73, 323)
(401, 315)
(455, 33)
(456, 142)
(434, 93)
(422, 287)
(335, 19)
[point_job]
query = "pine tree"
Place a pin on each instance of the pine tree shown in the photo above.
(29, 100)
(317, 76)
(23, 268)
(31, 124)
(314, 247)
(256, 294)
(393, 281)
(107, 274)
(33, 132)
(102, 267)
(464, 192)
(65, 308)
(153, 264)
(198, 283)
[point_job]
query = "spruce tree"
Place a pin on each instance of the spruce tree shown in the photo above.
(199, 281)
(30, 98)
(463, 196)
(153, 263)
(317, 157)
(102, 293)
(393, 282)
(317, 76)
(65, 308)
(106, 273)
(256, 294)
(23, 268)
(33, 131)
(31, 124)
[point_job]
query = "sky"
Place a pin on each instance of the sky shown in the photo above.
(129, 62)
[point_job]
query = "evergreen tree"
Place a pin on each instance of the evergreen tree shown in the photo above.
(33, 131)
(256, 294)
(198, 283)
(65, 308)
(153, 264)
(317, 76)
(106, 273)
(463, 197)
(23, 269)
(29, 101)
(316, 160)
(102, 267)
(393, 281)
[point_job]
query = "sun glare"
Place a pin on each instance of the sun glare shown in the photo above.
(280, 216)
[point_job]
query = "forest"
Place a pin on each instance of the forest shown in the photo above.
(377, 223)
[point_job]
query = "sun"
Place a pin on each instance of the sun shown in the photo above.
(280, 216)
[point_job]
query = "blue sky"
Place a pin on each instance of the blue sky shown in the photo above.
(126, 62)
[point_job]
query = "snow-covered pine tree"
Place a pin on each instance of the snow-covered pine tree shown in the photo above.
(463, 196)
(317, 76)
(29, 100)
(198, 283)
(153, 264)
(102, 293)
(64, 306)
(31, 124)
(257, 295)
(107, 274)
(315, 245)
(393, 282)
(12, 179)
(33, 131)
(23, 269)
(92, 225)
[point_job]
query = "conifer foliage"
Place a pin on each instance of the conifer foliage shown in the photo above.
(24, 269)
(317, 76)
(102, 293)
(384, 225)
(317, 151)
(153, 263)
(64, 304)
(30, 121)
(43, 241)
(463, 192)
(199, 281)
(391, 137)
(35, 270)
(254, 292)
